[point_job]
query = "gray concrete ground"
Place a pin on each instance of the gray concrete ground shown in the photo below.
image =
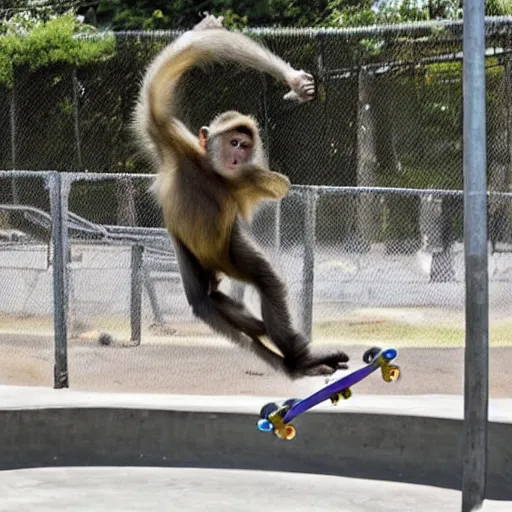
(163, 489)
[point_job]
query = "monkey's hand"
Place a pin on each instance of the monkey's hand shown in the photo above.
(302, 87)
(209, 21)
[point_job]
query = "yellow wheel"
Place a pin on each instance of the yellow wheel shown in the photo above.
(289, 432)
(346, 393)
(390, 373)
(394, 373)
(335, 399)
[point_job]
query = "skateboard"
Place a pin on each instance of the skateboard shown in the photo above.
(276, 419)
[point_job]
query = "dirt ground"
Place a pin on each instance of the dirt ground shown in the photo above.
(213, 368)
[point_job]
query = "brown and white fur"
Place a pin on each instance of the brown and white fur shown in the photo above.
(204, 206)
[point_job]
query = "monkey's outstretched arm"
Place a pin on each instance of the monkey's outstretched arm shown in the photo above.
(279, 69)
(222, 45)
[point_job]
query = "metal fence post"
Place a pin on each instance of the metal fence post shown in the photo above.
(476, 367)
(308, 268)
(136, 293)
(59, 212)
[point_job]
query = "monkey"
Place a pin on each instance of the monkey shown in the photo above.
(207, 188)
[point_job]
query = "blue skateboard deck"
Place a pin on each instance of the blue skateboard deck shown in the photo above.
(276, 419)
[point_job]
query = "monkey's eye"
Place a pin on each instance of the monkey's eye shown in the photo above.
(234, 143)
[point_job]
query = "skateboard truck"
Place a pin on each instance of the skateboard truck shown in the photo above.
(272, 419)
(389, 372)
(344, 394)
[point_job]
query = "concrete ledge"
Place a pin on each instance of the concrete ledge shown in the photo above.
(384, 442)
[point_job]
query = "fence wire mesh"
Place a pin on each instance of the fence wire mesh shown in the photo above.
(388, 110)
(379, 260)
(26, 307)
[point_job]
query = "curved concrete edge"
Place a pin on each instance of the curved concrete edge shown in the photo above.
(434, 406)
(129, 489)
(67, 428)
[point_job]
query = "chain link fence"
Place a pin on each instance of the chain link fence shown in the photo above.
(388, 110)
(369, 241)
(125, 323)
(26, 277)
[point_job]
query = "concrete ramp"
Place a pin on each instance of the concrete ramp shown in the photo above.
(409, 440)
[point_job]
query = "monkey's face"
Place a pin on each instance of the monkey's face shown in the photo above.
(236, 150)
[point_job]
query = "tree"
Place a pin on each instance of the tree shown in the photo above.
(43, 38)
(181, 14)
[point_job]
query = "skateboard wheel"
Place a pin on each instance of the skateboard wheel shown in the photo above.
(268, 409)
(289, 432)
(335, 399)
(371, 354)
(346, 393)
(390, 373)
(285, 432)
(394, 373)
(264, 425)
(389, 354)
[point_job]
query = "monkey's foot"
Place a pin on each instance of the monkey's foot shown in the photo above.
(336, 360)
(320, 365)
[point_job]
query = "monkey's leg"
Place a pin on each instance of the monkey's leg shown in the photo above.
(249, 260)
(196, 283)
(234, 311)
(238, 315)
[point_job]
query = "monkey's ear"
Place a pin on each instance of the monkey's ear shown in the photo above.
(203, 135)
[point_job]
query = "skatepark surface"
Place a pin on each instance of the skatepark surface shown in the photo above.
(163, 489)
(87, 451)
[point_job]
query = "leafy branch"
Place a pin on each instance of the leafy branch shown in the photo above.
(35, 41)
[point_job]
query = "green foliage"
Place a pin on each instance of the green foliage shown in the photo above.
(498, 7)
(143, 14)
(182, 14)
(233, 21)
(33, 42)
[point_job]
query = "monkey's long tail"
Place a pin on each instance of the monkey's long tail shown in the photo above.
(195, 48)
